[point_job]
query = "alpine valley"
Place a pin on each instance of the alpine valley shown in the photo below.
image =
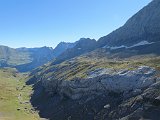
(116, 77)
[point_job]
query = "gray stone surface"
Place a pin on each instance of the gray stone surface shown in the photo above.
(134, 80)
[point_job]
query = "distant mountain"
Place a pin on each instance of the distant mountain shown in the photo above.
(143, 26)
(37, 56)
(13, 57)
(25, 59)
(82, 46)
(63, 46)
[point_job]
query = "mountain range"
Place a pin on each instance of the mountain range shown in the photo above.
(26, 59)
(141, 30)
(115, 77)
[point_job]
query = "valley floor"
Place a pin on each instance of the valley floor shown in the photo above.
(15, 96)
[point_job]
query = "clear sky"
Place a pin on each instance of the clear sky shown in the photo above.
(35, 23)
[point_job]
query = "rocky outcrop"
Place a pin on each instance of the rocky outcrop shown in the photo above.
(105, 94)
(145, 105)
(123, 81)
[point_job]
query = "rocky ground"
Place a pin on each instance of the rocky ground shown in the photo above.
(105, 93)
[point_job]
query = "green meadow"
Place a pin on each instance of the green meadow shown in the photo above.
(15, 96)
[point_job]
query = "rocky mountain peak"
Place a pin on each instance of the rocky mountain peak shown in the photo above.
(142, 26)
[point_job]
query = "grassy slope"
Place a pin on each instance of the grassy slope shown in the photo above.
(13, 94)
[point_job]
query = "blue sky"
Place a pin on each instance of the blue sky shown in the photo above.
(35, 23)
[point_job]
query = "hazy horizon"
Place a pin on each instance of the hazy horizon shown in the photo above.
(37, 23)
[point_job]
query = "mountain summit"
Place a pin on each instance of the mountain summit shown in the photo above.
(62, 47)
(143, 26)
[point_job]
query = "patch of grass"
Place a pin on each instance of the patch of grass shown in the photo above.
(14, 97)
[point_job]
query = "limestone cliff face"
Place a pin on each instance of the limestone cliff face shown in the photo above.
(142, 26)
(116, 82)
